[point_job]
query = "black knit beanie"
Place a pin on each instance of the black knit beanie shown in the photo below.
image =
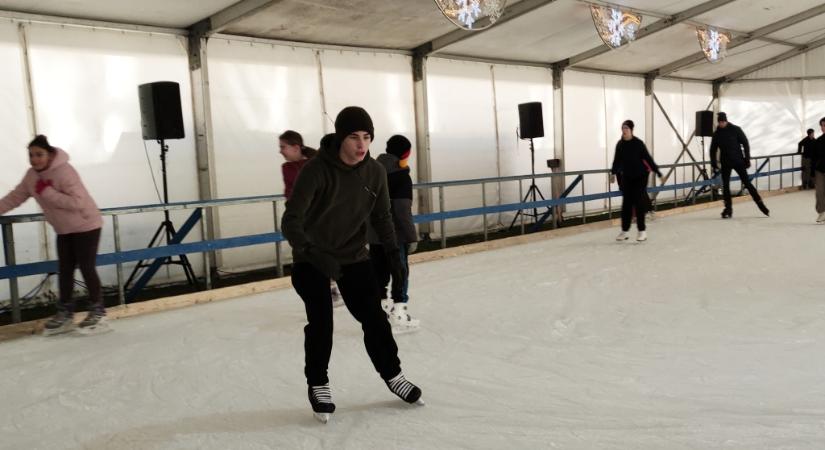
(398, 146)
(352, 119)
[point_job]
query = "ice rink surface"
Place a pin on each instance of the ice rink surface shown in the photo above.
(711, 335)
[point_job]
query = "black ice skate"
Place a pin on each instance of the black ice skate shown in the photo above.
(320, 397)
(94, 323)
(727, 213)
(62, 322)
(407, 391)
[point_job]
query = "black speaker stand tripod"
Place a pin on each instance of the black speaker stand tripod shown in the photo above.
(165, 229)
(532, 194)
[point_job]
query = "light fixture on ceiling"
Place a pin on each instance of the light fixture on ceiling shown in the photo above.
(714, 43)
(615, 26)
(466, 13)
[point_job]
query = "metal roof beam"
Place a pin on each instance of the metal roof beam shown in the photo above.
(769, 62)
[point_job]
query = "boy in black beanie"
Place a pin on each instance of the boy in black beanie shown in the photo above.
(400, 190)
(325, 222)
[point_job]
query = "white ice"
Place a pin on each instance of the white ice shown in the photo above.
(708, 336)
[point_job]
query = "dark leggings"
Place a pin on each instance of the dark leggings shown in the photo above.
(357, 286)
(79, 250)
(634, 199)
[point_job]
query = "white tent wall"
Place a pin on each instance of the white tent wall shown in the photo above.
(15, 129)
(515, 85)
(769, 112)
(680, 100)
(84, 83)
(462, 134)
(257, 92)
(595, 105)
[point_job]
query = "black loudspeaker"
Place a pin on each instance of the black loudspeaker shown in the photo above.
(704, 123)
(160, 111)
(530, 120)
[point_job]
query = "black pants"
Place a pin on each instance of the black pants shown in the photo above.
(743, 175)
(357, 286)
(634, 197)
(78, 250)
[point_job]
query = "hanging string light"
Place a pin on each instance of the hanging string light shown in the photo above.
(465, 13)
(714, 43)
(615, 26)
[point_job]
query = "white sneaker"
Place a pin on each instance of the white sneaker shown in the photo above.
(401, 321)
(821, 218)
(622, 236)
(337, 300)
(642, 236)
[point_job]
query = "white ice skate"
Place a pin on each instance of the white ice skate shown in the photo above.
(622, 236)
(94, 323)
(401, 321)
(821, 218)
(386, 305)
(642, 236)
(62, 322)
(337, 300)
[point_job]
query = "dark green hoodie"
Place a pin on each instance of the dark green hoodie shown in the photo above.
(331, 204)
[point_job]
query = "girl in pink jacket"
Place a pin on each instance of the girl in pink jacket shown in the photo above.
(69, 208)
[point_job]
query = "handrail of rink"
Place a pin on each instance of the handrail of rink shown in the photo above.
(13, 271)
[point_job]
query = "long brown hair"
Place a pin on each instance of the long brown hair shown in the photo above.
(294, 138)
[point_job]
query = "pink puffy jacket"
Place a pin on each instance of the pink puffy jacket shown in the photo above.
(67, 205)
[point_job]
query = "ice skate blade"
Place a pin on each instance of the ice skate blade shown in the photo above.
(420, 402)
(322, 417)
(94, 330)
(404, 330)
(57, 331)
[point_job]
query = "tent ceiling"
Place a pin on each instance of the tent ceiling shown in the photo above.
(161, 13)
(552, 32)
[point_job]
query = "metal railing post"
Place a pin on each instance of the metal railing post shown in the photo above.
(484, 205)
(279, 267)
(121, 294)
(443, 220)
(8, 250)
(207, 262)
(584, 204)
(521, 210)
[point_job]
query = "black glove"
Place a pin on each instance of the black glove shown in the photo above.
(323, 261)
(397, 268)
(715, 168)
(747, 163)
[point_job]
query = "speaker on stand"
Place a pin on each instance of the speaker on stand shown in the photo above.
(531, 126)
(161, 119)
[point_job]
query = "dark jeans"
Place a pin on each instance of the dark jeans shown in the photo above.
(634, 198)
(381, 266)
(78, 250)
(743, 176)
(357, 286)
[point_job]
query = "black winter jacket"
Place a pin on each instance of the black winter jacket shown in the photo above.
(734, 149)
(331, 204)
(399, 184)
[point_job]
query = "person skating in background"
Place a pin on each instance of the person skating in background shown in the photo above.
(325, 222)
(296, 154)
(807, 148)
(629, 165)
(71, 211)
(399, 183)
(734, 155)
(818, 163)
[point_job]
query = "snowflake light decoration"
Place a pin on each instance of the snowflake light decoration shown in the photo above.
(714, 43)
(466, 13)
(615, 26)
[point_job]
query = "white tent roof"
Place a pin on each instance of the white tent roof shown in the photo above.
(541, 32)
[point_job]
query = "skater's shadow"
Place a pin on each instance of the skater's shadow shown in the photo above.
(162, 434)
